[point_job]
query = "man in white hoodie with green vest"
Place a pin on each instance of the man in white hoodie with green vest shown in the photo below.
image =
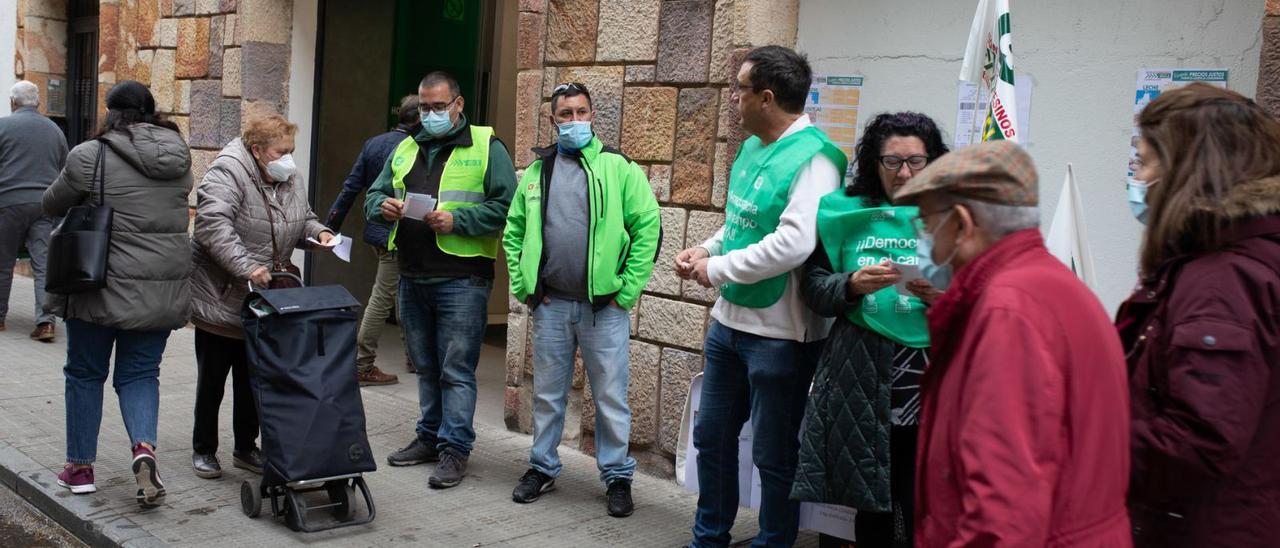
(763, 344)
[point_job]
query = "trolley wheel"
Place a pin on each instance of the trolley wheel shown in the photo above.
(295, 510)
(250, 498)
(343, 495)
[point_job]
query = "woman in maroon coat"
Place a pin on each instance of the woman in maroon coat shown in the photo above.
(1202, 331)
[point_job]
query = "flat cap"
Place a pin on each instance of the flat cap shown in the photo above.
(998, 172)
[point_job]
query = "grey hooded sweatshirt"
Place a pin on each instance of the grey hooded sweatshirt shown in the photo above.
(148, 181)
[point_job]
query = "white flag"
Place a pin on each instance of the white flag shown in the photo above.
(988, 60)
(1067, 239)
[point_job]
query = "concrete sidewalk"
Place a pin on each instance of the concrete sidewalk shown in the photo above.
(207, 512)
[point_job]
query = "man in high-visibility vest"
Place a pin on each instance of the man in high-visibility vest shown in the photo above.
(446, 265)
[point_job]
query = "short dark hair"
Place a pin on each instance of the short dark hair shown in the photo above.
(782, 71)
(570, 89)
(866, 180)
(407, 113)
(438, 77)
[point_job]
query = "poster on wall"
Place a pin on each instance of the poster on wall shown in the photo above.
(833, 107)
(1151, 83)
(972, 107)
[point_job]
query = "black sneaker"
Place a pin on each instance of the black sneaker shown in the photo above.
(414, 453)
(453, 465)
(532, 485)
(619, 496)
(250, 460)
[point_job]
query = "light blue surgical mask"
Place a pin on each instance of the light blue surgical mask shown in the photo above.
(436, 124)
(1138, 200)
(575, 135)
(938, 275)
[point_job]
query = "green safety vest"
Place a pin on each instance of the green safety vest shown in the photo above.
(461, 186)
(854, 235)
(759, 186)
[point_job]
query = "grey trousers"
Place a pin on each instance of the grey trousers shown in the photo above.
(24, 224)
(381, 301)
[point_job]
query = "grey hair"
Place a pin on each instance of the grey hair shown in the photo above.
(1001, 220)
(25, 94)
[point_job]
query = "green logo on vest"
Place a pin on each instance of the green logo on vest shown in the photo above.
(460, 162)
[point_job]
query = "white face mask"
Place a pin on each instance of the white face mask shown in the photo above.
(282, 169)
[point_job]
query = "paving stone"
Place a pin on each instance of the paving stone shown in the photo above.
(641, 74)
(206, 114)
(217, 27)
(571, 30)
(664, 280)
(642, 393)
(660, 180)
(649, 123)
(672, 323)
(162, 80)
(605, 85)
(531, 36)
(628, 30)
(231, 72)
(264, 72)
(193, 47)
(684, 47)
(678, 369)
(691, 175)
(528, 83)
(267, 21)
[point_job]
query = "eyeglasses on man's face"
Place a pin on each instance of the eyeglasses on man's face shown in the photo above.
(436, 107)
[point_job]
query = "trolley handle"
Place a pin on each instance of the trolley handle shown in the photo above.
(279, 275)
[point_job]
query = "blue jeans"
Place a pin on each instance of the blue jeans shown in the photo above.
(136, 380)
(559, 328)
(767, 380)
(443, 327)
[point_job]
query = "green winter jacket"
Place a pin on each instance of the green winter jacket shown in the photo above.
(625, 226)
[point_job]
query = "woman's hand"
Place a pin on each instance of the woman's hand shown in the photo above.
(924, 290)
(324, 238)
(261, 276)
(872, 278)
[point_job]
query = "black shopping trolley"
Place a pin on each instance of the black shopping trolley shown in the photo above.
(301, 345)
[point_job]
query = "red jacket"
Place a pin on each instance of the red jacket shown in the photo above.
(1204, 340)
(1023, 437)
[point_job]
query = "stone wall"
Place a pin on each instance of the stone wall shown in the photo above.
(42, 49)
(209, 63)
(659, 73)
(1269, 71)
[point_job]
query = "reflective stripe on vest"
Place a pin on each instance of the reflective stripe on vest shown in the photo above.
(461, 186)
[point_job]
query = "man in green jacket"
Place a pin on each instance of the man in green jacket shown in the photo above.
(581, 239)
(446, 260)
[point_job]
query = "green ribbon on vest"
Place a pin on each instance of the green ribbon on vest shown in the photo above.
(856, 234)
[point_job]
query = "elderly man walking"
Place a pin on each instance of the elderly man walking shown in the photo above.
(1024, 437)
(32, 151)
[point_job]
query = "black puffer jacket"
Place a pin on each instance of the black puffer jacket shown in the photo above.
(844, 447)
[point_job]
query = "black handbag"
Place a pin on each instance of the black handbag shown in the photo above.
(78, 247)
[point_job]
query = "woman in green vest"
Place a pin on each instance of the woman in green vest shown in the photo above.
(858, 443)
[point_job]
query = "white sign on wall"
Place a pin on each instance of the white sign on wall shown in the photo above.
(833, 107)
(1151, 83)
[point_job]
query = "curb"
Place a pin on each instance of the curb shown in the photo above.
(79, 515)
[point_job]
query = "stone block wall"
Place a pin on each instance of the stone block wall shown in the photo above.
(41, 44)
(209, 63)
(1269, 71)
(659, 72)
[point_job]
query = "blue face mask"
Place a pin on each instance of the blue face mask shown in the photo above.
(575, 135)
(436, 124)
(938, 275)
(1138, 200)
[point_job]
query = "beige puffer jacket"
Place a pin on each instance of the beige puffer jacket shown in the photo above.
(233, 235)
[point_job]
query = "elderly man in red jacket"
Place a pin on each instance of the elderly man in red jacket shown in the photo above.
(1024, 437)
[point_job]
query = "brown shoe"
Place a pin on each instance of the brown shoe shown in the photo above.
(43, 332)
(375, 377)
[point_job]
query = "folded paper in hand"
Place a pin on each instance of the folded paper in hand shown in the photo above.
(340, 245)
(417, 206)
(909, 272)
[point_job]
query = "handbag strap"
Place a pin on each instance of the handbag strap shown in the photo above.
(100, 175)
(276, 265)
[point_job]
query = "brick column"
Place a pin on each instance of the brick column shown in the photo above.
(659, 73)
(1269, 60)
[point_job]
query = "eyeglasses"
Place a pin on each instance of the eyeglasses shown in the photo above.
(566, 87)
(740, 89)
(918, 222)
(894, 163)
(436, 107)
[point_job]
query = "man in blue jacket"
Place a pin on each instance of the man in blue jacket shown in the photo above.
(366, 169)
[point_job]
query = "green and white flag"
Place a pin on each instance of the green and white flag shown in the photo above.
(988, 61)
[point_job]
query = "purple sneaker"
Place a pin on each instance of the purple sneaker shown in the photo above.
(150, 488)
(79, 481)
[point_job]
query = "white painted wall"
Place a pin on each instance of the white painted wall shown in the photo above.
(1082, 57)
(8, 51)
(302, 74)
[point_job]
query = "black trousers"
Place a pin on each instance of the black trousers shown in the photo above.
(889, 529)
(215, 357)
